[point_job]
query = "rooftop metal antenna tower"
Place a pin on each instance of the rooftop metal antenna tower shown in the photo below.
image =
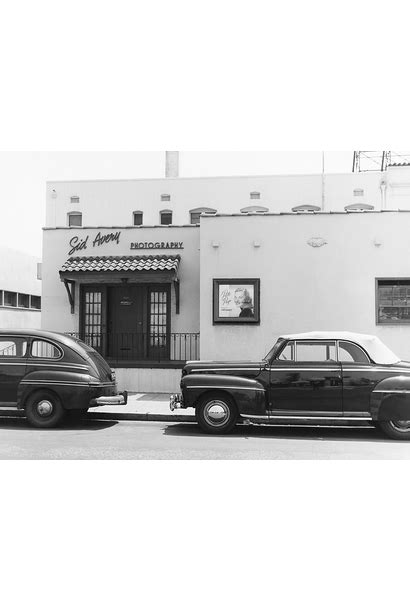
(371, 160)
(378, 160)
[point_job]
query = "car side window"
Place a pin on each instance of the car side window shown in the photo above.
(315, 351)
(288, 352)
(349, 352)
(44, 349)
(14, 347)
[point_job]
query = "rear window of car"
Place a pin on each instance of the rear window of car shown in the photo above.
(349, 352)
(44, 349)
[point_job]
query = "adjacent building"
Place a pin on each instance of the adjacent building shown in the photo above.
(20, 290)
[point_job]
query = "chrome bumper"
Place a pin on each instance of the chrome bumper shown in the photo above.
(176, 402)
(120, 399)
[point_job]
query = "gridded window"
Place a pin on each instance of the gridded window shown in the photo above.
(75, 199)
(393, 301)
(13, 347)
(10, 299)
(35, 302)
(24, 300)
(165, 197)
(44, 349)
(137, 218)
(166, 217)
(93, 317)
(75, 219)
(158, 310)
(255, 195)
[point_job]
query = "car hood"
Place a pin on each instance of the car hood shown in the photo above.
(243, 368)
(401, 364)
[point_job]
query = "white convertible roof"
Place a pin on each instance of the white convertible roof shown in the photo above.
(376, 349)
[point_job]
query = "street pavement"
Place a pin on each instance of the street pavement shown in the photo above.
(94, 439)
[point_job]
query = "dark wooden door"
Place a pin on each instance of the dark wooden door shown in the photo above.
(306, 380)
(126, 313)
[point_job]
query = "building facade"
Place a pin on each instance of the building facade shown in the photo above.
(327, 271)
(152, 272)
(20, 290)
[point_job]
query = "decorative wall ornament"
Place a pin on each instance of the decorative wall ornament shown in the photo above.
(316, 242)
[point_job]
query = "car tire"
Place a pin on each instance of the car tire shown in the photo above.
(397, 430)
(44, 410)
(216, 413)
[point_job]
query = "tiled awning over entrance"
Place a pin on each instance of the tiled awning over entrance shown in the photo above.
(121, 264)
(150, 268)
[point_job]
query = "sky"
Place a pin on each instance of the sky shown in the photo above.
(23, 177)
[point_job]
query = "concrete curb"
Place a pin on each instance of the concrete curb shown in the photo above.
(142, 417)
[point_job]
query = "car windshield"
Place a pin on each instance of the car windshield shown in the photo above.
(269, 356)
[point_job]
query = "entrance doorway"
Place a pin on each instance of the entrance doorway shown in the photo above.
(128, 322)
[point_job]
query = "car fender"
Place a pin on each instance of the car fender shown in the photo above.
(249, 395)
(390, 399)
(71, 387)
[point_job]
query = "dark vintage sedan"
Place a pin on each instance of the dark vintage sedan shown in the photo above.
(320, 378)
(50, 375)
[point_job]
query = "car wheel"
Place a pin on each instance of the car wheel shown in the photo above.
(44, 410)
(216, 414)
(396, 429)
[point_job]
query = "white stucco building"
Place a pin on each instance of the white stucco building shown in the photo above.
(20, 290)
(128, 266)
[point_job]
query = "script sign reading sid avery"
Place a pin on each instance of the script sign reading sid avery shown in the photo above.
(77, 244)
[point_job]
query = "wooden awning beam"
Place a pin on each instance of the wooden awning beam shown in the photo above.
(70, 287)
(176, 284)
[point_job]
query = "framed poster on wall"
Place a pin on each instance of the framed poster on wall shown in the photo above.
(236, 301)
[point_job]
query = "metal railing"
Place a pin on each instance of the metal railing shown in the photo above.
(143, 347)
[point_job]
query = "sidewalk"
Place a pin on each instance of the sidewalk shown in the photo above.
(148, 407)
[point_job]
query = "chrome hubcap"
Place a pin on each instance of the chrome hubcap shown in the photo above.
(216, 413)
(45, 408)
(401, 425)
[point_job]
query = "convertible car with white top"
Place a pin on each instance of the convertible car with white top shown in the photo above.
(317, 377)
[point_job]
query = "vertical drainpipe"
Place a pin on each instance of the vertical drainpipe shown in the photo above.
(383, 189)
(323, 180)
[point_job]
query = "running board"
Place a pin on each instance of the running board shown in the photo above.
(302, 418)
